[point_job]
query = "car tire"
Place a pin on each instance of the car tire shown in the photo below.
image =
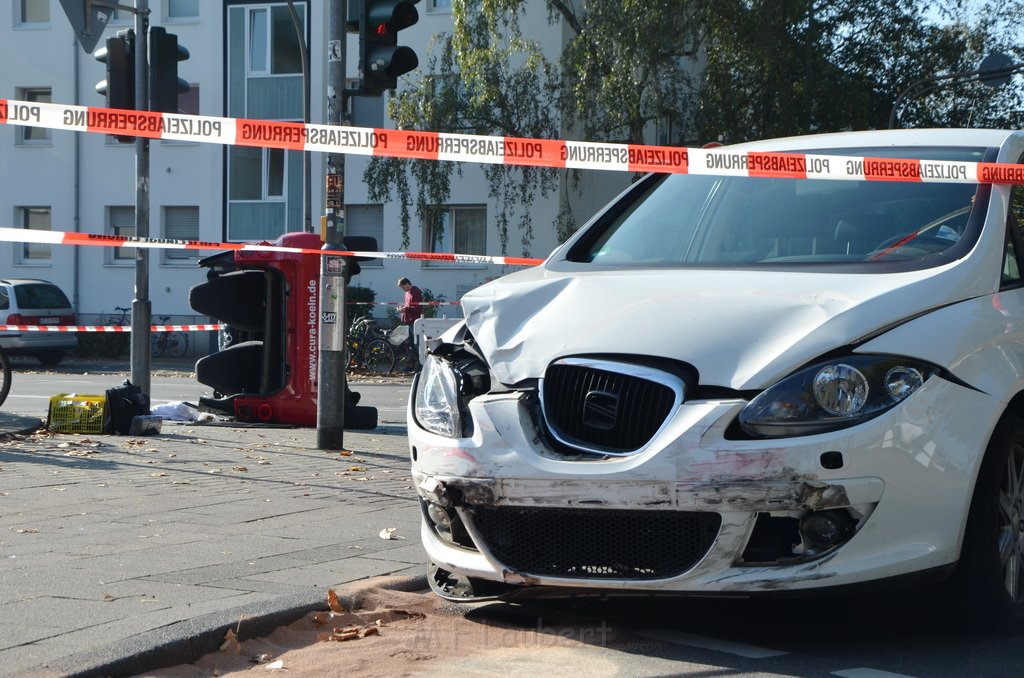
(989, 581)
(50, 358)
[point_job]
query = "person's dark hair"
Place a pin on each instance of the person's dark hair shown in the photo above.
(404, 281)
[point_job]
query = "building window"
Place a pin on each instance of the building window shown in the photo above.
(182, 9)
(122, 16)
(366, 220)
(439, 6)
(273, 46)
(257, 173)
(33, 12)
(460, 230)
(121, 222)
(181, 223)
(34, 135)
(264, 188)
(33, 219)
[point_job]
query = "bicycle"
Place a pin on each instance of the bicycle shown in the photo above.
(5, 376)
(122, 320)
(394, 352)
(174, 343)
(407, 355)
(367, 348)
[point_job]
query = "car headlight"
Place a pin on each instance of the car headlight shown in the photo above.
(436, 401)
(833, 394)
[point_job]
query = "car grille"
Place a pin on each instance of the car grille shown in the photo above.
(596, 543)
(602, 407)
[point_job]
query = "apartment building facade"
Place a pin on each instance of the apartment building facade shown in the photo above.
(244, 62)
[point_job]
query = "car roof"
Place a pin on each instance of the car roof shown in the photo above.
(21, 281)
(989, 138)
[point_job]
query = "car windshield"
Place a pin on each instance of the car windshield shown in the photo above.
(35, 296)
(692, 220)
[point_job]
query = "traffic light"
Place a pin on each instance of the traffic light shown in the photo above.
(381, 59)
(119, 56)
(164, 83)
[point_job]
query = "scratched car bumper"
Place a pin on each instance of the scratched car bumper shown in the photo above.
(693, 470)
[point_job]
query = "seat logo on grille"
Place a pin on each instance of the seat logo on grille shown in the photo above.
(600, 410)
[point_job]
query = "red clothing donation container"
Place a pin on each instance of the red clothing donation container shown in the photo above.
(270, 300)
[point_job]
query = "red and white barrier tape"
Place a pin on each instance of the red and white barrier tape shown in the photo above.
(107, 328)
(496, 150)
(398, 303)
(23, 235)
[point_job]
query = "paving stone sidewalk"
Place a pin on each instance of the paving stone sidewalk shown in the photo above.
(122, 554)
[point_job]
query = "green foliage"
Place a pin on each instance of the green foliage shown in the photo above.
(734, 70)
(359, 302)
(430, 297)
(104, 344)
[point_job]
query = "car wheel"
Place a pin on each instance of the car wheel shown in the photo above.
(50, 358)
(990, 575)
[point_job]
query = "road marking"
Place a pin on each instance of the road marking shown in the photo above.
(869, 673)
(716, 644)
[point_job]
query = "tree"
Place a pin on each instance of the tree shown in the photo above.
(731, 69)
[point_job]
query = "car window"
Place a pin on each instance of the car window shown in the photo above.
(1014, 237)
(5, 300)
(36, 296)
(691, 220)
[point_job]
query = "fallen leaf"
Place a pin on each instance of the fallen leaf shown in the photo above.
(159, 474)
(371, 631)
(389, 533)
(346, 453)
(333, 602)
(231, 643)
(263, 658)
(240, 469)
(273, 666)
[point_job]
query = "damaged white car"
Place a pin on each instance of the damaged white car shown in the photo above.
(732, 385)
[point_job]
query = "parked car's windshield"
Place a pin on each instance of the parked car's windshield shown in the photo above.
(691, 220)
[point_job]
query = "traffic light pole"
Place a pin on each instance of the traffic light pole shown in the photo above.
(330, 410)
(141, 307)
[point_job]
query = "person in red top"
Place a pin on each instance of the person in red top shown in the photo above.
(411, 307)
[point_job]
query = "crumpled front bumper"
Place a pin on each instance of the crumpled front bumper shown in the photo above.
(907, 475)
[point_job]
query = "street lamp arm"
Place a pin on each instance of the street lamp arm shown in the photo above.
(933, 82)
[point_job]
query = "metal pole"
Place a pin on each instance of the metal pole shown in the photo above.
(330, 411)
(141, 308)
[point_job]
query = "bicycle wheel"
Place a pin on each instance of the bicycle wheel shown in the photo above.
(379, 357)
(157, 344)
(407, 358)
(353, 356)
(5, 377)
(177, 344)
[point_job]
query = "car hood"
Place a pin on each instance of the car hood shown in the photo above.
(739, 329)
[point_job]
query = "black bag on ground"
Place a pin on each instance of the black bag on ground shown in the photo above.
(123, 403)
